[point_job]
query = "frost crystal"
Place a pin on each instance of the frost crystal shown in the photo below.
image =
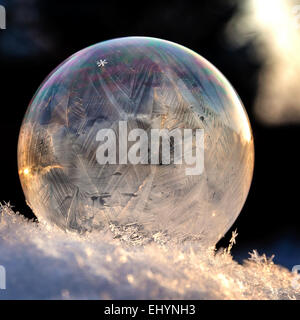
(44, 262)
(118, 99)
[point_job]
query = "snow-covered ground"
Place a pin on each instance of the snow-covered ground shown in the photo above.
(43, 262)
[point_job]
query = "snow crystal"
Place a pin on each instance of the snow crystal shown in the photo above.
(43, 262)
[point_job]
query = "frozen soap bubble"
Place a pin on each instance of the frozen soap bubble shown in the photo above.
(137, 134)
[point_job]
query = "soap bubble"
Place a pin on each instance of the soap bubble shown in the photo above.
(139, 135)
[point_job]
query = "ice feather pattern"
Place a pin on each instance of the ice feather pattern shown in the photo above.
(150, 84)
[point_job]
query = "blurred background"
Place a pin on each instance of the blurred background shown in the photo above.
(255, 44)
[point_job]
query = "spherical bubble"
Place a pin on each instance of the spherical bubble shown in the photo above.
(137, 133)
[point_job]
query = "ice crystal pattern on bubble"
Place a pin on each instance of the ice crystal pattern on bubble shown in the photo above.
(149, 83)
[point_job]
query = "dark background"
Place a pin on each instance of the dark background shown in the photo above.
(41, 34)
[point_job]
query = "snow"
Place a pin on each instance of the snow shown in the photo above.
(43, 262)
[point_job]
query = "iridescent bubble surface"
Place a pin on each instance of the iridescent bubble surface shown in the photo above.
(147, 83)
